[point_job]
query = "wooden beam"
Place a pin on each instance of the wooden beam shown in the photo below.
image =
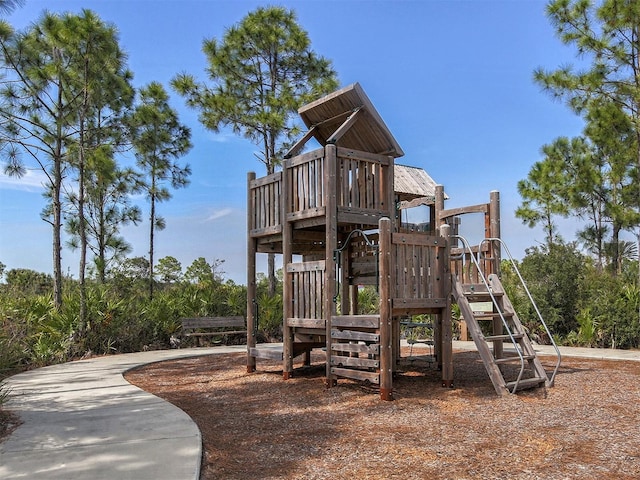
(299, 145)
(454, 212)
(344, 128)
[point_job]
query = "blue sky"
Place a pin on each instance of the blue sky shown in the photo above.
(451, 79)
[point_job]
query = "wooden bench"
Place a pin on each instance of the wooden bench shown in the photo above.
(212, 326)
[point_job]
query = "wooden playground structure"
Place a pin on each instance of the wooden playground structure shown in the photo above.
(334, 214)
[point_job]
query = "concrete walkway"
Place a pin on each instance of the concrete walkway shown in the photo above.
(82, 420)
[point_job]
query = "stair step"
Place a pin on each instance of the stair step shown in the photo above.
(372, 377)
(479, 289)
(266, 353)
(493, 338)
(491, 315)
(514, 358)
(477, 297)
(527, 383)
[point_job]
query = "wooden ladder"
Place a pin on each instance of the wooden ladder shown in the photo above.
(505, 327)
(355, 347)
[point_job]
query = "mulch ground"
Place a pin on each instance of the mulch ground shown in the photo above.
(258, 426)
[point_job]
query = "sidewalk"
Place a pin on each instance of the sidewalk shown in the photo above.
(82, 420)
(594, 353)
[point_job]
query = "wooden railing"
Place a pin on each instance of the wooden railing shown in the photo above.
(465, 268)
(488, 254)
(418, 281)
(361, 180)
(307, 288)
(305, 180)
(363, 186)
(265, 209)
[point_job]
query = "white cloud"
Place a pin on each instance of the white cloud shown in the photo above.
(31, 181)
(222, 137)
(219, 214)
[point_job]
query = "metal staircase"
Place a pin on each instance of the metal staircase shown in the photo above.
(504, 326)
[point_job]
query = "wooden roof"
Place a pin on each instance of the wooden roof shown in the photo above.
(348, 118)
(414, 186)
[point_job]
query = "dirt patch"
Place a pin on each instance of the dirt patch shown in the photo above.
(259, 426)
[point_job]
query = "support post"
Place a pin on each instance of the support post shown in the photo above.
(496, 257)
(446, 333)
(331, 222)
(251, 278)
(390, 199)
(439, 206)
(390, 194)
(494, 229)
(287, 294)
(386, 348)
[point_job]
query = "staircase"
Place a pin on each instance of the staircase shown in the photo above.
(505, 327)
(355, 347)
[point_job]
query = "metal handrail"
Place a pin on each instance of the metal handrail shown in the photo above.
(337, 253)
(476, 262)
(533, 303)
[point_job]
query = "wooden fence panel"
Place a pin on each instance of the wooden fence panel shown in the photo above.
(265, 207)
(308, 289)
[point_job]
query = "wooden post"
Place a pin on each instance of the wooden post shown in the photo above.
(287, 295)
(390, 200)
(345, 290)
(495, 254)
(386, 350)
(330, 191)
(251, 279)
(390, 195)
(353, 300)
(444, 285)
(438, 206)
(494, 229)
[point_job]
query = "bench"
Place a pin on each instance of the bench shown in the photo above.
(214, 326)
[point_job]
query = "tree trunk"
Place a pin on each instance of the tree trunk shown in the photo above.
(57, 214)
(615, 250)
(83, 244)
(152, 218)
(57, 229)
(271, 273)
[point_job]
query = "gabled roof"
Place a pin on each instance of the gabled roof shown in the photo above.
(348, 118)
(413, 186)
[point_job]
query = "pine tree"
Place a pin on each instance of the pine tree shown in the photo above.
(261, 72)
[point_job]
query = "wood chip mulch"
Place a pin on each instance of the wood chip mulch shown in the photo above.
(258, 426)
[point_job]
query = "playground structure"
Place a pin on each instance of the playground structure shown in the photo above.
(334, 214)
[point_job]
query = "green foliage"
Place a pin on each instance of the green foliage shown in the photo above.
(25, 281)
(261, 71)
(269, 308)
(544, 192)
(554, 277)
(65, 87)
(368, 300)
(168, 270)
(159, 140)
(120, 317)
(582, 304)
(605, 186)
(612, 303)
